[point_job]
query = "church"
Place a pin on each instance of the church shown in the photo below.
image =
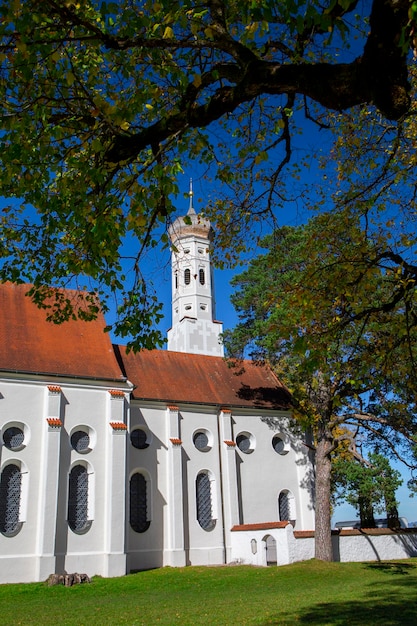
(113, 462)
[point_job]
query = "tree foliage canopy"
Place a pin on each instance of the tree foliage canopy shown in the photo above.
(103, 104)
(325, 305)
(368, 486)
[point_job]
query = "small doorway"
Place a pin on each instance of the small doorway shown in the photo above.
(270, 550)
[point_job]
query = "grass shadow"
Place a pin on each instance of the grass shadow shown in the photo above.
(379, 609)
(391, 567)
(384, 611)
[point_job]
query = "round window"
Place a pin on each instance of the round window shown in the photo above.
(80, 441)
(245, 442)
(139, 439)
(13, 437)
(279, 445)
(202, 440)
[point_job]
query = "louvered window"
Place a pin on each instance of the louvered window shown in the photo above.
(78, 498)
(202, 277)
(139, 503)
(204, 502)
(10, 495)
(187, 276)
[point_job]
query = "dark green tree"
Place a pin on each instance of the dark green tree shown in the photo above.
(319, 307)
(368, 485)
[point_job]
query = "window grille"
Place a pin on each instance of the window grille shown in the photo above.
(202, 277)
(200, 440)
(80, 440)
(13, 437)
(187, 276)
(139, 503)
(10, 493)
(286, 506)
(204, 503)
(139, 438)
(78, 498)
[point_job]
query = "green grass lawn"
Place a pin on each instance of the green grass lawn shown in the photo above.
(312, 593)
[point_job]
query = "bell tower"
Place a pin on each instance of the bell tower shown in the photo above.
(194, 328)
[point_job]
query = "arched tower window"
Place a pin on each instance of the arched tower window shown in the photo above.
(138, 509)
(204, 501)
(10, 496)
(78, 498)
(201, 276)
(187, 276)
(286, 506)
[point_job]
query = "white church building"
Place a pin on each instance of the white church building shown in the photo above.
(112, 462)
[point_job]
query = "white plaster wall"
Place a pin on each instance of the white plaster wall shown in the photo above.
(152, 548)
(347, 548)
(22, 403)
(368, 547)
(145, 550)
(243, 553)
(264, 473)
(34, 549)
(205, 547)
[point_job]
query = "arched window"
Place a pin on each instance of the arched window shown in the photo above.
(187, 276)
(204, 501)
(78, 498)
(10, 496)
(138, 509)
(176, 280)
(201, 276)
(286, 506)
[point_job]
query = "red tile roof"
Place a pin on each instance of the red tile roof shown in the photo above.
(176, 377)
(28, 343)
(260, 526)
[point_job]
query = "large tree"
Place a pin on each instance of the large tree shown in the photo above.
(104, 103)
(321, 306)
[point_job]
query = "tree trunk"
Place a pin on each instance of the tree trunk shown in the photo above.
(366, 512)
(323, 536)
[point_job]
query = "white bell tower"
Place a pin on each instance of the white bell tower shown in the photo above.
(194, 329)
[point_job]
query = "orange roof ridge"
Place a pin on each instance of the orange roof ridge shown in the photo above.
(118, 425)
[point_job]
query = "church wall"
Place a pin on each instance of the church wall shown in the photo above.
(263, 473)
(21, 405)
(244, 487)
(145, 549)
(174, 536)
(206, 546)
(50, 413)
